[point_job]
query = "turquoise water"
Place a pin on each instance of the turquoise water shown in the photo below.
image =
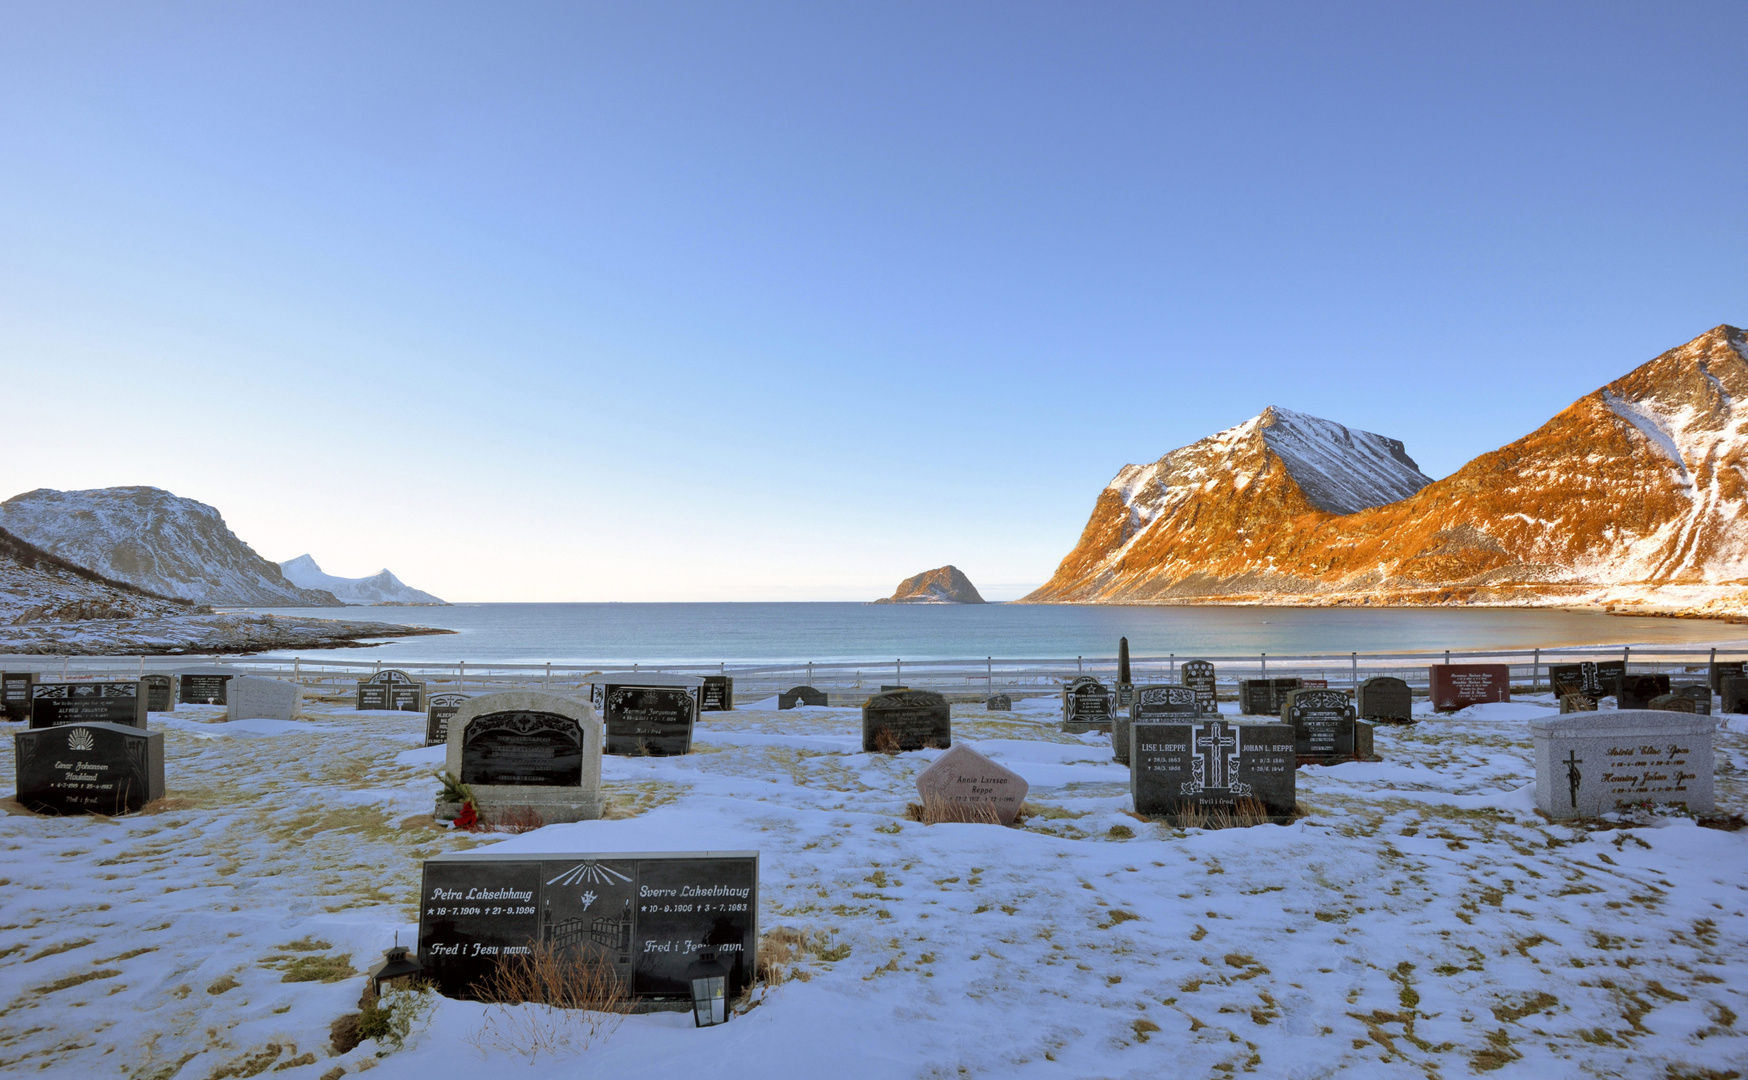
(826, 632)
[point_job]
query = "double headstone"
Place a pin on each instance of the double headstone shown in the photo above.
(1591, 765)
(108, 701)
(391, 689)
(647, 917)
(251, 697)
(1595, 679)
(1266, 697)
(525, 752)
(1458, 686)
(1385, 697)
(1637, 690)
(797, 696)
(964, 785)
(160, 693)
(202, 687)
(1210, 765)
(15, 694)
(438, 709)
(718, 694)
(647, 714)
(906, 720)
(1198, 675)
(999, 703)
(1152, 703)
(88, 768)
(1326, 728)
(1086, 705)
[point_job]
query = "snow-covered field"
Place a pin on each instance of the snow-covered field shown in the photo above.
(1422, 921)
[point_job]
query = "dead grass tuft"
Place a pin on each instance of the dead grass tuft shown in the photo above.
(548, 1002)
(885, 742)
(934, 810)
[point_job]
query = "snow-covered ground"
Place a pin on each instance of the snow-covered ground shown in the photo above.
(1422, 921)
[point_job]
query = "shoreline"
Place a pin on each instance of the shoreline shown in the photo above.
(202, 635)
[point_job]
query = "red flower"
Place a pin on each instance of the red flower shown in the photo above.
(467, 819)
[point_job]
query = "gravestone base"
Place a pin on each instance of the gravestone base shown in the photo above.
(495, 803)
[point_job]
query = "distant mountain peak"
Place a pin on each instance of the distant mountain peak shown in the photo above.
(943, 585)
(381, 587)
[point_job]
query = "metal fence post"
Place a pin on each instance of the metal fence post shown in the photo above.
(547, 684)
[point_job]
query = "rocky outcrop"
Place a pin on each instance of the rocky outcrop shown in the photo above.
(945, 585)
(157, 541)
(38, 587)
(1632, 495)
(379, 588)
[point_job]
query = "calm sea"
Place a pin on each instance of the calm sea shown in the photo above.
(824, 632)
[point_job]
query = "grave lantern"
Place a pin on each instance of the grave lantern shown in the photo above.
(709, 990)
(394, 967)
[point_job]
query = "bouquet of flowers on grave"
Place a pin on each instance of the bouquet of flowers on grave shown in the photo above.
(454, 791)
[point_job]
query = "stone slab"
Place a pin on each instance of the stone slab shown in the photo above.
(251, 697)
(647, 715)
(1384, 697)
(95, 701)
(917, 720)
(964, 777)
(797, 696)
(1211, 765)
(88, 768)
(1596, 763)
(1458, 686)
(521, 749)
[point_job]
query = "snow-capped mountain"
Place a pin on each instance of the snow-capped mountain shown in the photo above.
(37, 587)
(943, 585)
(1633, 494)
(381, 587)
(158, 541)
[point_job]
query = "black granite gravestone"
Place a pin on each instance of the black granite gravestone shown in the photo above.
(1733, 695)
(160, 689)
(372, 696)
(1637, 690)
(15, 694)
(1211, 765)
(107, 702)
(1592, 678)
(1266, 697)
(406, 697)
(1198, 675)
(1719, 670)
(523, 749)
(1326, 729)
(906, 720)
(999, 703)
(718, 694)
(644, 915)
(1385, 697)
(1086, 705)
(801, 695)
(647, 720)
(1701, 696)
(1125, 684)
(201, 688)
(88, 768)
(438, 709)
(1151, 702)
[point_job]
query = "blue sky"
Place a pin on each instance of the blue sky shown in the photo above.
(697, 302)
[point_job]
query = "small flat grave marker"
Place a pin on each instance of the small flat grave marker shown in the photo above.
(1086, 705)
(110, 701)
(647, 714)
(906, 720)
(1385, 697)
(718, 694)
(801, 695)
(964, 785)
(647, 915)
(89, 768)
(1198, 675)
(15, 694)
(1326, 728)
(438, 710)
(1458, 686)
(523, 752)
(160, 690)
(1590, 765)
(251, 697)
(1211, 765)
(202, 687)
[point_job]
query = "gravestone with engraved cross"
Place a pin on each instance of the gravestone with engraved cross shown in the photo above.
(530, 757)
(1599, 763)
(1210, 765)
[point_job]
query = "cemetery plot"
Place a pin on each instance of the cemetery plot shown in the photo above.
(1588, 766)
(647, 916)
(88, 768)
(1212, 766)
(108, 702)
(1458, 686)
(906, 720)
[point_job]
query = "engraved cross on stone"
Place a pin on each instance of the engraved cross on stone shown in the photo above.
(1213, 742)
(1573, 776)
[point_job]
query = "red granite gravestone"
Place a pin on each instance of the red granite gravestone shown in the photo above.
(1458, 686)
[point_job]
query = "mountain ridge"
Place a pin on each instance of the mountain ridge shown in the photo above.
(380, 588)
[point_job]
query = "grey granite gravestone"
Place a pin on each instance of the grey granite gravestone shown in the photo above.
(522, 751)
(1152, 702)
(1086, 705)
(1384, 697)
(1266, 697)
(438, 709)
(250, 697)
(1637, 691)
(88, 768)
(647, 714)
(999, 703)
(160, 693)
(966, 781)
(1590, 765)
(15, 694)
(1701, 697)
(1326, 728)
(1198, 675)
(106, 701)
(718, 694)
(906, 720)
(801, 695)
(1719, 670)
(1211, 765)
(647, 916)
(1733, 695)
(205, 686)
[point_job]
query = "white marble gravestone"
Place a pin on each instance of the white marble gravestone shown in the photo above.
(1588, 764)
(526, 751)
(250, 697)
(964, 777)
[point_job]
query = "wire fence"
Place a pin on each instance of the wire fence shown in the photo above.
(852, 681)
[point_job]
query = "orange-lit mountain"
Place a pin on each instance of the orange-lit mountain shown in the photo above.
(1632, 495)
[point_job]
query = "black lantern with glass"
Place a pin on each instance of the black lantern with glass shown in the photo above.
(709, 990)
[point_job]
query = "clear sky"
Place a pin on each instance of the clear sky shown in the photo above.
(790, 301)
